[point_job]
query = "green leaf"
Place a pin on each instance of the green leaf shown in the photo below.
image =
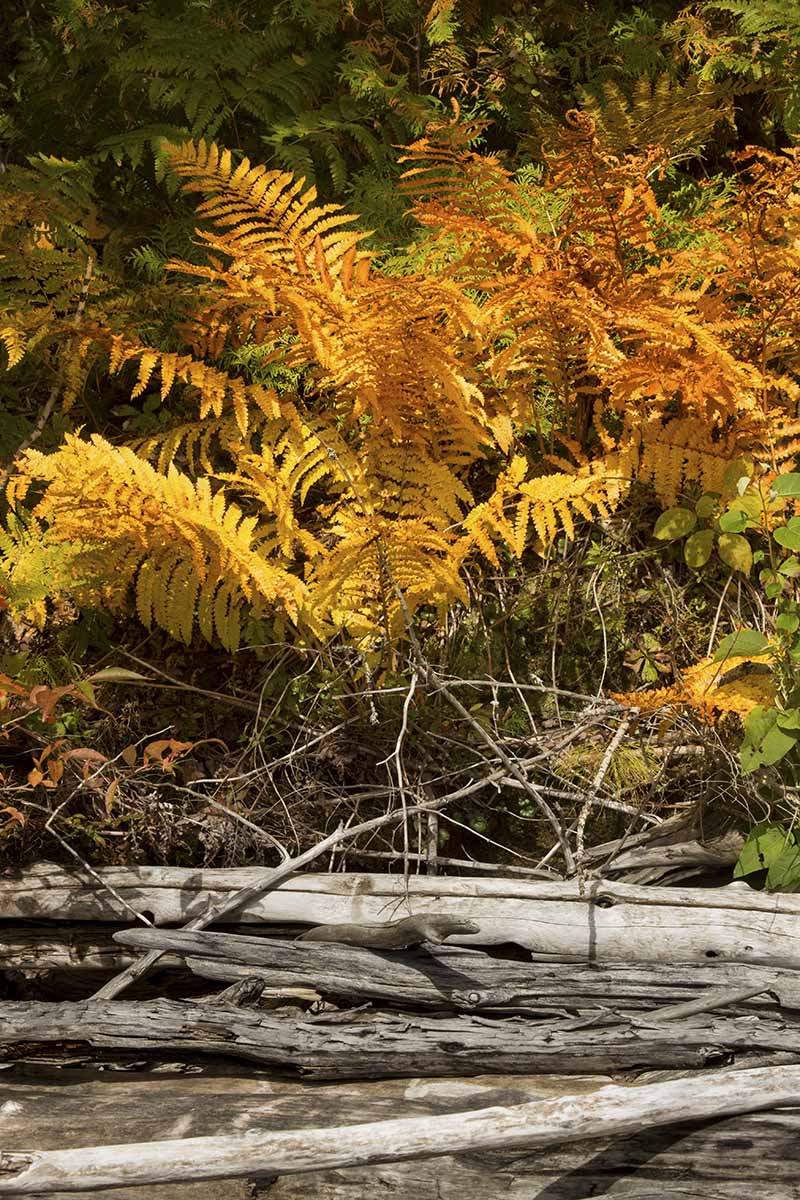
(776, 745)
(790, 567)
(706, 505)
(674, 523)
(786, 485)
(765, 743)
(788, 622)
(784, 874)
(735, 552)
(773, 590)
(742, 642)
(788, 718)
(764, 846)
(751, 504)
(698, 547)
(733, 521)
(86, 689)
(786, 536)
(735, 473)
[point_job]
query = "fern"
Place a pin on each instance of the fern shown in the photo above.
(192, 556)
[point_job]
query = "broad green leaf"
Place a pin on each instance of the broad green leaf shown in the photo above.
(698, 547)
(765, 743)
(765, 844)
(790, 567)
(776, 745)
(773, 590)
(788, 718)
(751, 504)
(741, 643)
(733, 521)
(784, 874)
(674, 523)
(789, 538)
(758, 722)
(735, 551)
(788, 622)
(706, 505)
(787, 485)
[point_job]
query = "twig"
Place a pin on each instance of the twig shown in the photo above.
(468, 864)
(717, 615)
(397, 755)
(508, 762)
(715, 998)
(597, 782)
(432, 852)
(184, 789)
(86, 866)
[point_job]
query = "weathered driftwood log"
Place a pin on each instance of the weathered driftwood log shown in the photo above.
(46, 1109)
(353, 1046)
(460, 977)
(611, 921)
(608, 1111)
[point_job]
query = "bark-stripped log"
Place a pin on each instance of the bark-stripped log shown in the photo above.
(460, 977)
(46, 1109)
(364, 1046)
(610, 922)
(606, 1112)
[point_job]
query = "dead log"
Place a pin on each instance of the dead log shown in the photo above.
(608, 1111)
(380, 1045)
(460, 977)
(46, 1109)
(441, 977)
(610, 922)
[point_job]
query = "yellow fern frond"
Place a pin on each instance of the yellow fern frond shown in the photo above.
(215, 388)
(685, 451)
(173, 538)
(14, 341)
(548, 502)
(266, 214)
(678, 115)
(711, 687)
(359, 585)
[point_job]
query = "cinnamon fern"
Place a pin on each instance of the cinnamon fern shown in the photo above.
(550, 344)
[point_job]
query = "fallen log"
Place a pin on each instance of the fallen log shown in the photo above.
(441, 977)
(610, 922)
(459, 977)
(379, 1045)
(46, 1109)
(611, 1110)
